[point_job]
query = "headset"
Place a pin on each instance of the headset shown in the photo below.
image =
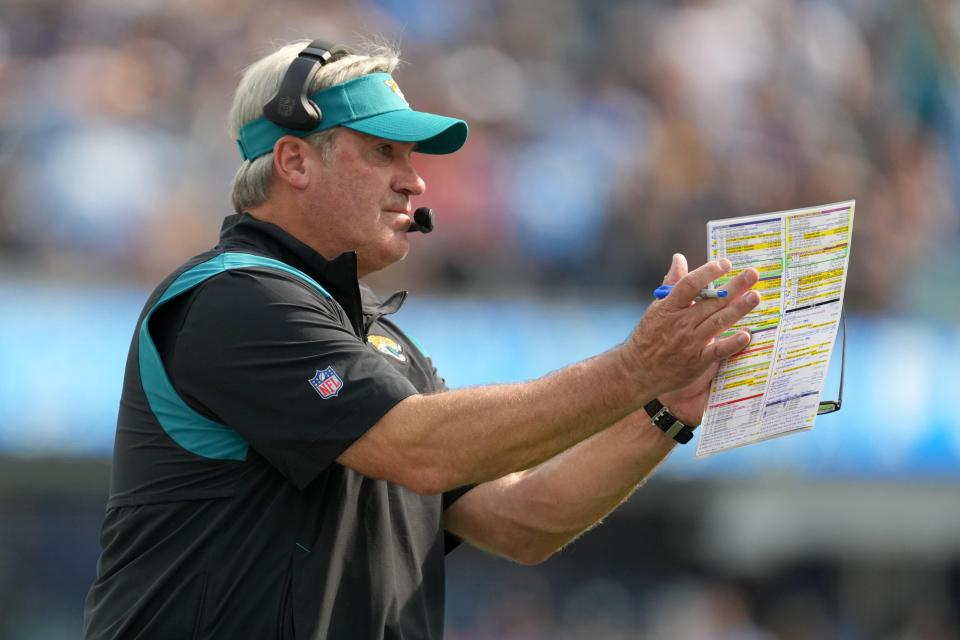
(292, 109)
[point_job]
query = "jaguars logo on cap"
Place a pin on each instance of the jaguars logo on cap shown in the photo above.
(395, 88)
(388, 346)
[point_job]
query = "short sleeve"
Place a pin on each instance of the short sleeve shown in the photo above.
(450, 541)
(270, 358)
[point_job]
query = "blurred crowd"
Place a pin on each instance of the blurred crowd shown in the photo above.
(604, 134)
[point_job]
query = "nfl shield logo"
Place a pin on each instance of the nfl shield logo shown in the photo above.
(327, 383)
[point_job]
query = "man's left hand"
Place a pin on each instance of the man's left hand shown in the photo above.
(688, 403)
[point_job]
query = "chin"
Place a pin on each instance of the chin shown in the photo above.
(367, 264)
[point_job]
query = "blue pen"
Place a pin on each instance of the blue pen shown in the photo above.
(664, 290)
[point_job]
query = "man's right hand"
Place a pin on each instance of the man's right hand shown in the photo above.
(676, 340)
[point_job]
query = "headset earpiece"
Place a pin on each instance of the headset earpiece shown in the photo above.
(291, 108)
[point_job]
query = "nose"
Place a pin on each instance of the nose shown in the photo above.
(409, 181)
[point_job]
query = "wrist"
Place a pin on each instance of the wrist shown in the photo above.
(672, 427)
(631, 366)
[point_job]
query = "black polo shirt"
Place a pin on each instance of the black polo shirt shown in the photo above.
(253, 367)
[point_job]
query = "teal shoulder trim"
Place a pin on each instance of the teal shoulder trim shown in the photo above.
(417, 344)
(189, 429)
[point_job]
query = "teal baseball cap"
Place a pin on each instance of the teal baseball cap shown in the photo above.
(371, 104)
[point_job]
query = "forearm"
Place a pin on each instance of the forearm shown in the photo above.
(474, 435)
(530, 514)
(436, 442)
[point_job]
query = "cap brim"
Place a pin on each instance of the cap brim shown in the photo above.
(433, 133)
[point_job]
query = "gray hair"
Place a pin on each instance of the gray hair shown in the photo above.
(261, 81)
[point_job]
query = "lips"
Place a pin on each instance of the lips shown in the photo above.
(403, 219)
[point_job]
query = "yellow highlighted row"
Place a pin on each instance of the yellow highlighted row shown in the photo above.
(820, 250)
(811, 325)
(804, 366)
(746, 383)
(822, 275)
(773, 311)
(825, 232)
(754, 236)
(768, 284)
(766, 271)
(747, 370)
(748, 323)
(804, 353)
(754, 247)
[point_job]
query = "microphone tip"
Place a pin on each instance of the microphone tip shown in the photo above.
(422, 220)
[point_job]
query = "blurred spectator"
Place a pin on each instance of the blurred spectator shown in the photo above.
(606, 133)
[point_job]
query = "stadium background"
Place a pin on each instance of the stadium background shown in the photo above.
(603, 135)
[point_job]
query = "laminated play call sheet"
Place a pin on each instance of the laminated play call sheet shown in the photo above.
(773, 387)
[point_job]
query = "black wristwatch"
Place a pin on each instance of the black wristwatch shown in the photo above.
(668, 423)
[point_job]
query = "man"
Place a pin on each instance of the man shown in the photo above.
(284, 465)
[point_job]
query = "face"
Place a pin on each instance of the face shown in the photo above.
(362, 197)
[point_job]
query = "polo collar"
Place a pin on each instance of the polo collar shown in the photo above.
(374, 308)
(338, 276)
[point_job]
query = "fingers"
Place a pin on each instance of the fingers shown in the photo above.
(724, 318)
(741, 283)
(678, 269)
(726, 347)
(677, 338)
(689, 286)
(735, 288)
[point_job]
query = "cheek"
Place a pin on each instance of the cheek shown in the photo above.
(363, 193)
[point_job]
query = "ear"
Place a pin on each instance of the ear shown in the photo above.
(290, 161)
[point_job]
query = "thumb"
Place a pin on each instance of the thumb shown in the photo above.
(678, 269)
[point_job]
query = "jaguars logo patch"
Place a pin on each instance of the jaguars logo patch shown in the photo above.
(395, 88)
(388, 346)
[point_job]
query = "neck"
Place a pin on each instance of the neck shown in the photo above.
(302, 224)
(305, 227)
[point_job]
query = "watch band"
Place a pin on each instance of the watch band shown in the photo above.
(662, 419)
